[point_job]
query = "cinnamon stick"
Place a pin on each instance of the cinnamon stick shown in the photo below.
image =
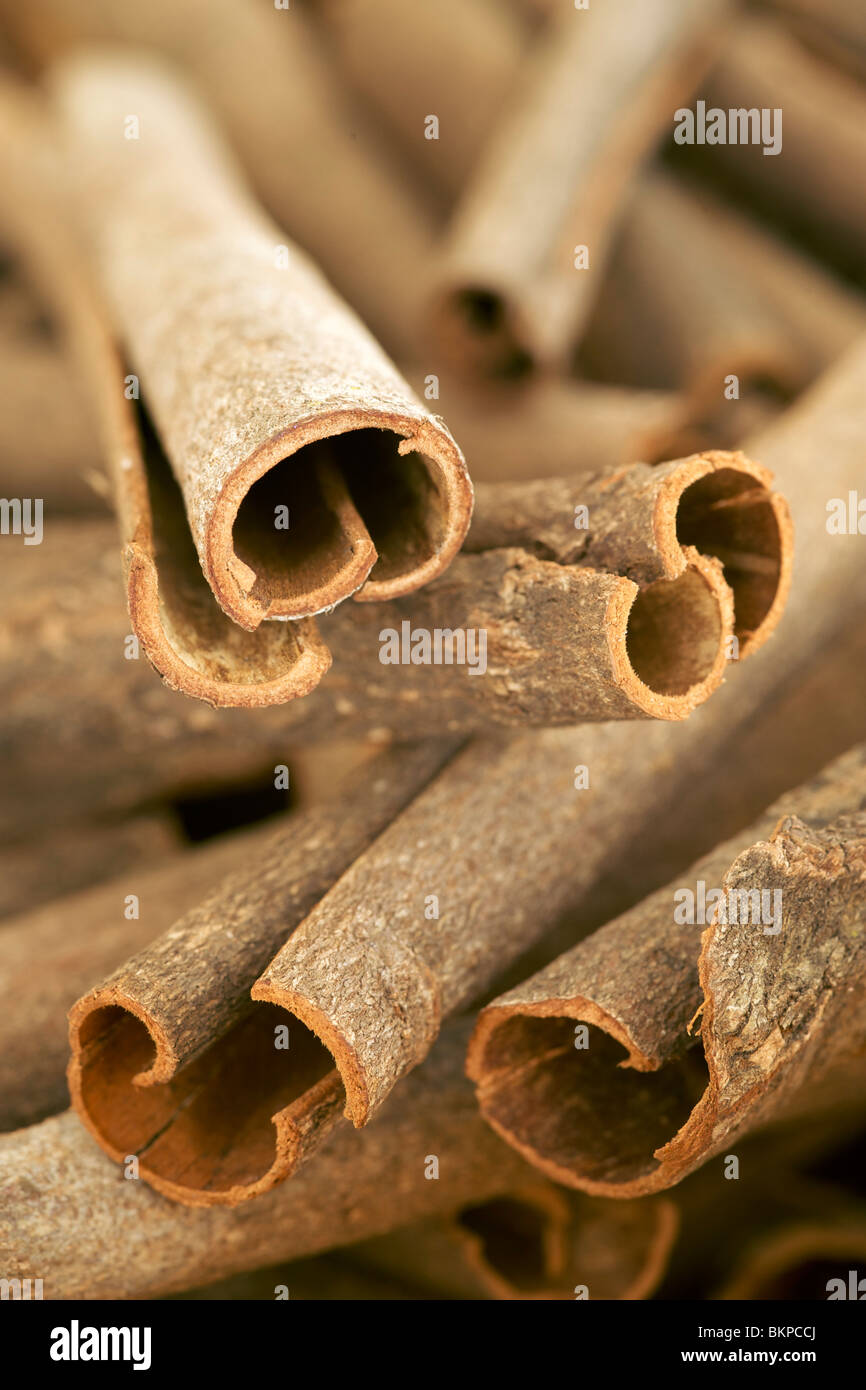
(337, 974)
(745, 305)
(452, 60)
(182, 631)
(80, 855)
(284, 108)
(809, 182)
(514, 287)
(93, 1234)
(551, 427)
(779, 989)
(560, 643)
(534, 1243)
(285, 366)
(54, 954)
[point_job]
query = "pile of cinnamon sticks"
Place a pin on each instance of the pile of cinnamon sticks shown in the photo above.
(432, 673)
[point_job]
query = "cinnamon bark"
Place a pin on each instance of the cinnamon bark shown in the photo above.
(551, 427)
(66, 1212)
(781, 992)
(284, 108)
(534, 1243)
(196, 648)
(53, 955)
(339, 974)
(561, 642)
(596, 96)
(242, 378)
(80, 855)
(428, 850)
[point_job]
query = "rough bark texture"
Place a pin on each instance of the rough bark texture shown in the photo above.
(242, 377)
(56, 953)
(597, 95)
(370, 233)
(645, 522)
(781, 999)
(202, 1129)
(194, 645)
(824, 110)
(427, 965)
(531, 1244)
(562, 643)
(69, 1216)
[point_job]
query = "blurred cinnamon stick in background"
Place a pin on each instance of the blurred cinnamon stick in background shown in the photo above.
(529, 239)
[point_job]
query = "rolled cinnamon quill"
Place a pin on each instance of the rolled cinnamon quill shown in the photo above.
(535, 1243)
(315, 162)
(589, 1068)
(68, 1212)
(196, 648)
(54, 954)
(529, 239)
(246, 358)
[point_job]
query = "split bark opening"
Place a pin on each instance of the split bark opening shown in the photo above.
(209, 1127)
(608, 1128)
(725, 514)
(364, 510)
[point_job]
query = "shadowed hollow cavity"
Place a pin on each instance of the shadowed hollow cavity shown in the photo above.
(730, 515)
(673, 634)
(477, 321)
(394, 496)
(209, 1128)
(577, 1108)
(515, 1240)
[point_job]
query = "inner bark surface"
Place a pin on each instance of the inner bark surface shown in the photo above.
(208, 1129)
(396, 496)
(673, 634)
(729, 514)
(513, 1235)
(577, 1107)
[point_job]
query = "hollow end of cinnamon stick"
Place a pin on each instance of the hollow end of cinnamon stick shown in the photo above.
(722, 504)
(376, 505)
(622, 1116)
(669, 641)
(227, 1126)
